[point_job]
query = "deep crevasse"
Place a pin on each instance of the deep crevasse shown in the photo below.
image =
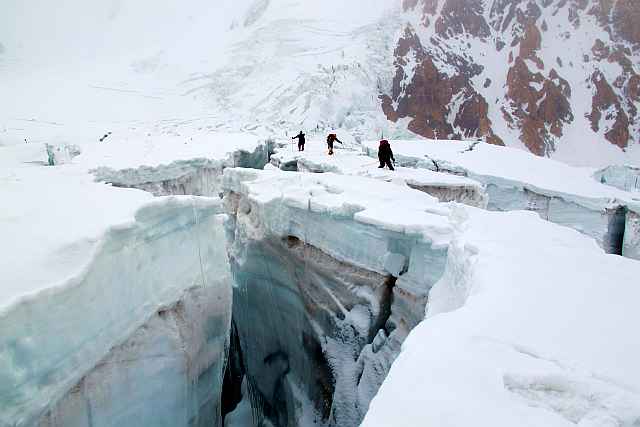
(325, 297)
(104, 319)
(330, 274)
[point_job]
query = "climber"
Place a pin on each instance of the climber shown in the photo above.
(330, 140)
(385, 155)
(301, 141)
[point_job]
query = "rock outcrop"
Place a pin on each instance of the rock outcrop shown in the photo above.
(519, 70)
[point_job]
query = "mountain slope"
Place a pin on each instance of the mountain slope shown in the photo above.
(558, 75)
(558, 78)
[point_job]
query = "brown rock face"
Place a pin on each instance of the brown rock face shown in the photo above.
(460, 16)
(530, 44)
(429, 8)
(538, 113)
(626, 20)
(600, 50)
(607, 106)
(634, 88)
(432, 94)
(473, 119)
(539, 106)
(448, 85)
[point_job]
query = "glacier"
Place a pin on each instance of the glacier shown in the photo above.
(517, 334)
(124, 316)
(196, 176)
(168, 372)
(625, 178)
(293, 295)
(352, 160)
(138, 270)
(516, 180)
(328, 283)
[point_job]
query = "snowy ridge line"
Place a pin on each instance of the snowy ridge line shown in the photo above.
(497, 362)
(137, 260)
(198, 176)
(516, 180)
(445, 187)
(588, 192)
(328, 193)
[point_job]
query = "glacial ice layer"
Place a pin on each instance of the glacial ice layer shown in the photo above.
(329, 281)
(445, 187)
(138, 335)
(199, 176)
(516, 180)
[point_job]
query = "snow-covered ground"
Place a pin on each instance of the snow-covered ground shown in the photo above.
(510, 166)
(537, 330)
(261, 66)
(353, 161)
(39, 200)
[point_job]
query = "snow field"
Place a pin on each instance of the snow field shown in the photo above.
(521, 335)
(516, 180)
(352, 161)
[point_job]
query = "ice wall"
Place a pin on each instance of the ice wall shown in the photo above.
(625, 178)
(197, 176)
(445, 187)
(168, 373)
(631, 246)
(324, 294)
(601, 220)
(518, 181)
(91, 324)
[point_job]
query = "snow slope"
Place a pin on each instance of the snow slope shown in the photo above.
(77, 70)
(515, 179)
(539, 337)
(85, 265)
(353, 161)
(513, 334)
(518, 167)
(169, 66)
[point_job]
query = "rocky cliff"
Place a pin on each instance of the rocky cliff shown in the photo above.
(557, 75)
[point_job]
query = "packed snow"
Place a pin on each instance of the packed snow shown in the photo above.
(353, 161)
(333, 195)
(536, 337)
(38, 199)
(516, 180)
(491, 163)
